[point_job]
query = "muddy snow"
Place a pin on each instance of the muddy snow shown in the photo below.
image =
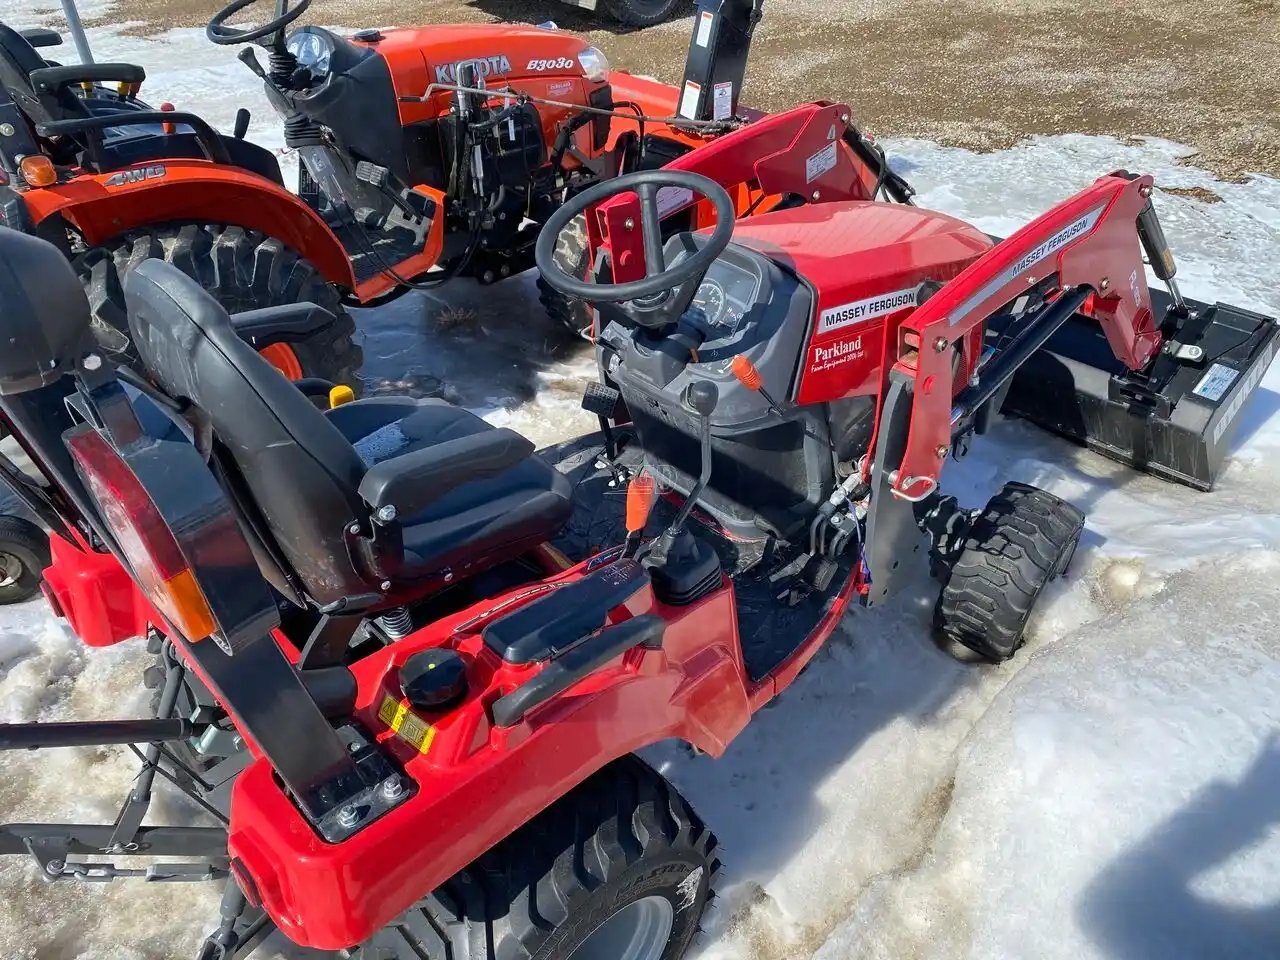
(1114, 792)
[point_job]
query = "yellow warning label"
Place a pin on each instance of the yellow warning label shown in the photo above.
(409, 727)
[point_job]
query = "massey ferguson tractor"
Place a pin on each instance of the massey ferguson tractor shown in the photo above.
(404, 662)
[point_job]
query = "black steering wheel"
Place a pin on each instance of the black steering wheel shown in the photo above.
(659, 277)
(220, 33)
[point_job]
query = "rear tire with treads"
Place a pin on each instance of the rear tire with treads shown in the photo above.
(242, 269)
(573, 254)
(641, 13)
(24, 555)
(624, 840)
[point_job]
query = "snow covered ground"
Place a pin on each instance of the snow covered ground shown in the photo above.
(1114, 792)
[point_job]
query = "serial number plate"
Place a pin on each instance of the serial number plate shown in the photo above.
(1216, 382)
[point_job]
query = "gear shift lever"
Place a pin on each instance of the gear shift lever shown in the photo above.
(683, 567)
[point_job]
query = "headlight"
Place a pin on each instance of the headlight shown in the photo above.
(594, 64)
(312, 50)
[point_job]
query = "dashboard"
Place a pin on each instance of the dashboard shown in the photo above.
(724, 299)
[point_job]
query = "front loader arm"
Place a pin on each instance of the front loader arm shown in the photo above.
(1084, 253)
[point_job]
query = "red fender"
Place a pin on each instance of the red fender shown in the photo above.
(101, 207)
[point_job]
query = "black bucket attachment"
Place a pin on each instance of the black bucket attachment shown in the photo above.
(1177, 419)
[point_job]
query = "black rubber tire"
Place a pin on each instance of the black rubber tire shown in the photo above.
(623, 835)
(573, 255)
(1021, 541)
(26, 547)
(641, 13)
(242, 269)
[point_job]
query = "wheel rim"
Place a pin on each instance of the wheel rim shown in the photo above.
(639, 931)
(283, 358)
(10, 570)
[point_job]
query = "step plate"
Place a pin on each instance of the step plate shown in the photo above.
(1176, 423)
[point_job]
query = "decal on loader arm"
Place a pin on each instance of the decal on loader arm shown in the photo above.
(1087, 244)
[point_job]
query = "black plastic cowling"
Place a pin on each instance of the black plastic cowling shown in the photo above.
(44, 316)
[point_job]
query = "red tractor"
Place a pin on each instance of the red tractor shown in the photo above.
(406, 662)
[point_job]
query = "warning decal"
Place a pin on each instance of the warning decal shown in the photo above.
(690, 100)
(820, 162)
(723, 102)
(705, 22)
(1216, 382)
(409, 727)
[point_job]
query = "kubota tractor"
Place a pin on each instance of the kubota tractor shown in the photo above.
(111, 182)
(427, 154)
(449, 146)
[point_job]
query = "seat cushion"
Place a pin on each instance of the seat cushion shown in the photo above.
(510, 513)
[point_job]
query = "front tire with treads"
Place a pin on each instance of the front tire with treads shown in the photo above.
(243, 270)
(620, 868)
(1022, 540)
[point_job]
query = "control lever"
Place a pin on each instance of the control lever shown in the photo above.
(750, 378)
(279, 101)
(701, 396)
(640, 493)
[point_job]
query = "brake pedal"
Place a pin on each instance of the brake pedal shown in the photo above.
(603, 401)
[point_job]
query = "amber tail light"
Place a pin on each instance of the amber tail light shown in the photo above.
(142, 535)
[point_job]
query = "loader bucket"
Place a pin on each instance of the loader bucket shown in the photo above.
(1176, 420)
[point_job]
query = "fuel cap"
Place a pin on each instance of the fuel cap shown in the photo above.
(434, 679)
(367, 36)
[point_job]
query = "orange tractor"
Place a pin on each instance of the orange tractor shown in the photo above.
(426, 154)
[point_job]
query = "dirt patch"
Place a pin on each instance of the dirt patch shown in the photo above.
(1193, 193)
(981, 74)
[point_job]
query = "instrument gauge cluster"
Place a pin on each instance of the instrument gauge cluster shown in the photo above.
(725, 297)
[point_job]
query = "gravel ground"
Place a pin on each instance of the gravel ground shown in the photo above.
(981, 74)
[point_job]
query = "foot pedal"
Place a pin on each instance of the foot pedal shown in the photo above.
(372, 174)
(823, 573)
(601, 400)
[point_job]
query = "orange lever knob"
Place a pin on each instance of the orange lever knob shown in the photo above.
(639, 502)
(747, 373)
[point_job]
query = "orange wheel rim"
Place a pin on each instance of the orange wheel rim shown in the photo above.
(282, 357)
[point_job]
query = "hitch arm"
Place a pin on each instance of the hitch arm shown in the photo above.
(1084, 253)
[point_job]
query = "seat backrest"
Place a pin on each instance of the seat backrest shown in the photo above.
(301, 472)
(18, 59)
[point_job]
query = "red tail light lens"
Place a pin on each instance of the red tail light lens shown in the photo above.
(145, 539)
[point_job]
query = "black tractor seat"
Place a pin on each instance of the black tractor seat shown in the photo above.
(374, 497)
(25, 77)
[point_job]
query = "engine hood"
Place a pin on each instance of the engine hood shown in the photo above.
(421, 55)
